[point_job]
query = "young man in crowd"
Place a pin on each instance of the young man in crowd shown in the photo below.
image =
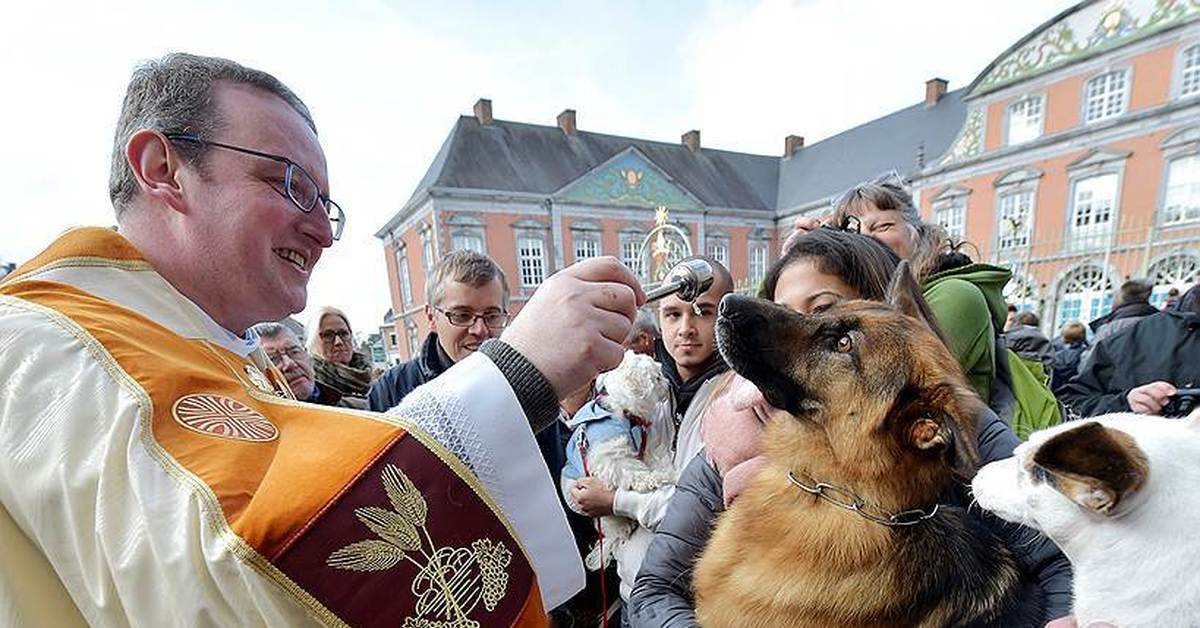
(691, 363)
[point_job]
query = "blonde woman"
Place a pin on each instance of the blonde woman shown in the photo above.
(336, 363)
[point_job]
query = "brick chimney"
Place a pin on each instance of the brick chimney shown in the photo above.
(792, 145)
(483, 111)
(566, 121)
(691, 139)
(935, 88)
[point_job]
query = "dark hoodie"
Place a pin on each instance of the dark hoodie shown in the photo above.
(683, 392)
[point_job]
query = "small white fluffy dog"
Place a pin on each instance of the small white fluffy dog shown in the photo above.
(1118, 493)
(636, 391)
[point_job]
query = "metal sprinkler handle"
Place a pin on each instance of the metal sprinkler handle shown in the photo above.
(687, 279)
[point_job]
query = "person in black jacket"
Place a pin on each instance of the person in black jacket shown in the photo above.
(1141, 367)
(829, 267)
(466, 303)
(1067, 355)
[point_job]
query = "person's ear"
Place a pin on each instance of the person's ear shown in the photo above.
(156, 168)
(429, 315)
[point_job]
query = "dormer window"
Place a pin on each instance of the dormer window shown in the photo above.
(1189, 84)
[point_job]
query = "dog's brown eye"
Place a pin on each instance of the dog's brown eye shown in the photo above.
(844, 344)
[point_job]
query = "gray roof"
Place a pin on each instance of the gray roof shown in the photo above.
(889, 143)
(530, 158)
(534, 159)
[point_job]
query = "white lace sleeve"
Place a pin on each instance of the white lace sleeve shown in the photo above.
(472, 411)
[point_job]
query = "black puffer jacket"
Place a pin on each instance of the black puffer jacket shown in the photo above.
(662, 595)
(1160, 347)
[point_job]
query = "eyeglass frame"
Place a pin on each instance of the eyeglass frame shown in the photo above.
(337, 224)
(343, 334)
(474, 317)
(298, 350)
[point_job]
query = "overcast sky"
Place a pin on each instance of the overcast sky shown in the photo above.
(386, 80)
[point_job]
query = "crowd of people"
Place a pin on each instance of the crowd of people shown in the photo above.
(152, 447)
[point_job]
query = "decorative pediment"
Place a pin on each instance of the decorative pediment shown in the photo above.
(1018, 176)
(969, 142)
(759, 233)
(951, 192)
(1084, 31)
(585, 225)
(628, 179)
(464, 220)
(1188, 137)
(529, 224)
(1098, 157)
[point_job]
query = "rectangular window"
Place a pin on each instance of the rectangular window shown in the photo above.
(414, 344)
(427, 250)
(1016, 219)
(719, 250)
(406, 294)
(1092, 211)
(531, 260)
(467, 241)
(1024, 120)
(586, 247)
(1182, 202)
(951, 215)
(1105, 97)
(758, 261)
(1190, 79)
(392, 337)
(631, 247)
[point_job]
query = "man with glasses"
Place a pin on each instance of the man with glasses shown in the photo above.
(466, 303)
(155, 468)
(288, 354)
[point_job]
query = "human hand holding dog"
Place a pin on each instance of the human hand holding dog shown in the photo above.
(593, 497)
(575, 325)
(1150, 398)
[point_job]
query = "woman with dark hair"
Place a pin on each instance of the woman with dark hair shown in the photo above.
(824, 267)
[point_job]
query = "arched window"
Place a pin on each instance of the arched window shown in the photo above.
(1021, 292)
(1084, 294)
(1178, 270)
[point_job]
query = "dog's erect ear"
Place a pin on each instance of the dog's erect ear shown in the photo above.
(904, 294)
(941, 433)
(1095, 466)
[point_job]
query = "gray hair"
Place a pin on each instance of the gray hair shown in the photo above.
(174, 94)
(273, 330)
(314, 328)
(466, 266)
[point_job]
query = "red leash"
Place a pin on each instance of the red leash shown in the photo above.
(583, 448)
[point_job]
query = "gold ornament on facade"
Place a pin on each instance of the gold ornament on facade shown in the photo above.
(450, 581)
(632, 177)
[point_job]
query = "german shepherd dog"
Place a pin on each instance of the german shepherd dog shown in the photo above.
(845, 525)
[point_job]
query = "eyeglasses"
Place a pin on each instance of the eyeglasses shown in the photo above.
(466, 318)
(294, 353)
(330, 334)
(298, 185)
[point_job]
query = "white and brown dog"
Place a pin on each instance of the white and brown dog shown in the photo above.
(1118, 493)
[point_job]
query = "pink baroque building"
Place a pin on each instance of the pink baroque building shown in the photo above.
(1073, 158)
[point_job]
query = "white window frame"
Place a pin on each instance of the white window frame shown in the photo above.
(1091, 236)
(586, 240)
(1178, 269)
(718, 249)
(1186, 82)
(631, 242)
(758, 254)
(531, 258)
(1190, 212)
(1011, 114)
(414, 342)
(405, 276)
(1091, 301)
(1008, 201)
(427, 249)
(468, 240)
(951, 214)
(1105, 110)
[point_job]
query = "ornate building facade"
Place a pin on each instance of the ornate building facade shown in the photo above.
(1074, 158)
